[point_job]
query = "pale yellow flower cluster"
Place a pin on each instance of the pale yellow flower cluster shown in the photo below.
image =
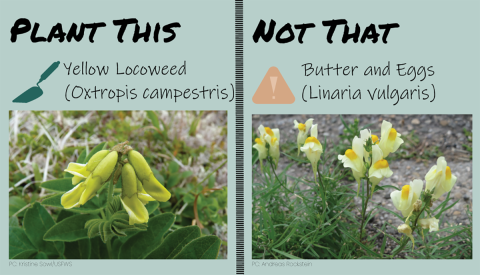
(357, 157)
(139, 185)
(272, 137)
(439, 180)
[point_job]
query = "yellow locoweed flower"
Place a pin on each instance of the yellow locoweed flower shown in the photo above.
(134, 206)
(84, 191)
(379, 168)
(302, 132)
(404, 200)
(390, 140)
(313, 149)
(150, 184)
(353, 158)
(82, 171)
(441, 178)
(143, 196)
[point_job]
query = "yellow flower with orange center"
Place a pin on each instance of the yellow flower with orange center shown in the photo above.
(313, 149)
(390, 141)
(379, 168)
(405, 199)
(353, 158)
(302, 132)
(441, 178)
(272, 137)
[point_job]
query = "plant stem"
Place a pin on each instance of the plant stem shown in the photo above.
(109, 195)
(427, 203)
(109, 248)
(279, 181)
(364, 210)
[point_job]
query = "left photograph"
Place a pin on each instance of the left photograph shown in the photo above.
(118, 184)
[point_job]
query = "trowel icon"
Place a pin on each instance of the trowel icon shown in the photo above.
(36, 92)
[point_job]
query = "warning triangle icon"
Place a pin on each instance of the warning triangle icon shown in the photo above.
(273, 89)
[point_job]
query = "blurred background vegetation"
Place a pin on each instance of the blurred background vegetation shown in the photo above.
(187, 151)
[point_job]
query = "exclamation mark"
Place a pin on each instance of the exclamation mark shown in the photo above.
(273, 80)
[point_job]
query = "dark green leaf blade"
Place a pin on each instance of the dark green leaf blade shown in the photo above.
(15, 203)
(36, 223)
(151, 206)
(78, 250)
(13, 222)
(143, 243)
(202, 248)
(98, 250)
(82, 157)
(18, 242)
(70, 229)
(175, 242)
(27, 254)
(58, 185)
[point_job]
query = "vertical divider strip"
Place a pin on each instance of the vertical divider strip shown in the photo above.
(239, 139)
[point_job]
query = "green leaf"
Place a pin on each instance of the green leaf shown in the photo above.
(90, 207)
(36, 223)
(285, 254)
(143, 243)
(98, 249)
(13, 222)
(153, 117)
(97, 148)
(78, 250)
(58, 185)
(15, 203)
(151, 206)
(63, 214)
(70, 229)
(373, 253)
(211, 181)
(38, 175)
(186, 174)
(202, 248)
(27, 254)
(174, 242)
(378, 187)
(173, 167)
(82, 156)
(41, 256)
(18, 242)
(267, 223)
(173, 180)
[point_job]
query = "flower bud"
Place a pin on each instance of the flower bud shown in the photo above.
(101, 174)
(151, 185)
(136, 210)
(407, 230)
(417, 206)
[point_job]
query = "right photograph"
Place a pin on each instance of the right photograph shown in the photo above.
(390, 186)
